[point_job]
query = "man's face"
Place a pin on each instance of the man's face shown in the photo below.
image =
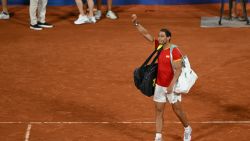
(162, 38)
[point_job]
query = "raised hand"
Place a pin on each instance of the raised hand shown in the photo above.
(134, 19)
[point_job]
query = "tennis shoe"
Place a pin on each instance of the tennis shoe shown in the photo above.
(98, 14)
(111, 15)
(4, 16)
(82, 20)
(187, 134)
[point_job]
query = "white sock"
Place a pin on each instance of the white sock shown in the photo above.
(158, 135)
(187, 128)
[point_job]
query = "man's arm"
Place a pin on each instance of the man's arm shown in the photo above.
(141, 29)
(177, 66)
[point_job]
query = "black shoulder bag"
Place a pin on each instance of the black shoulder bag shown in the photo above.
(145, 75)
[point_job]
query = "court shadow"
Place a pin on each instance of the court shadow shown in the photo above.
(240, 111)
(59, 14)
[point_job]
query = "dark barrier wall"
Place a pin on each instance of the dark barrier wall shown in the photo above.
(122, 2)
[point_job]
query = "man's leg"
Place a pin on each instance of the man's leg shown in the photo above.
(79, 5)
(109, 5)
(98, 12)
(182, 117)
(91, 7)
(244, 11)
(180, 113)
(42, 10)
(159, 119)
(82, 18)
(110, 14)
(33, 17)
(4, 14)
(234, 9)
(42, 4)
(4, 5)
(91, 11)
(32, 9)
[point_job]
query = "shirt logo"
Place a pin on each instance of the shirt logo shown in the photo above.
(167, 56)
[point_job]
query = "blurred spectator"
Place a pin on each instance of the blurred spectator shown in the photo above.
(110, 14)
(37, 11)
(4, 15)
(83, 16)
(235, 10)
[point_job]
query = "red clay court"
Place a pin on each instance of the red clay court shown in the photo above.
(75, 83)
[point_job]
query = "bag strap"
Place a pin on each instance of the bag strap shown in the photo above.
(171, 56)
(158, 49)
(171, 50)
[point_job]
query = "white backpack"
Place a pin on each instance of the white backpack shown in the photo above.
(187, 77)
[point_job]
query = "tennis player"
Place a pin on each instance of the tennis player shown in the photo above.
(166, 79)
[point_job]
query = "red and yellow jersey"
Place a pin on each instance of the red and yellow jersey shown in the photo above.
(165, 71)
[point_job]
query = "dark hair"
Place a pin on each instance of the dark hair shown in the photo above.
(167, 32)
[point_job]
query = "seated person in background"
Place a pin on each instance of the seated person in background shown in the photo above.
(4, 15)
(110, 14)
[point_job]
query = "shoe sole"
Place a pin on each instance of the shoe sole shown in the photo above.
(45, 26)
(4, 18)
(84, 23)
(111, 18)
(36, 28)
(81, 23)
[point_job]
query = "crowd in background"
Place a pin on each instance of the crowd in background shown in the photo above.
(37, 12)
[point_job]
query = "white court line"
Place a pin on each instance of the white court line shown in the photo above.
(127, 122)
(223, 122)
(27, 134)
(104, 122)
(18, 122)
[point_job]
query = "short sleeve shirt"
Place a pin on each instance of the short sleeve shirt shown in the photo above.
(165, 71)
